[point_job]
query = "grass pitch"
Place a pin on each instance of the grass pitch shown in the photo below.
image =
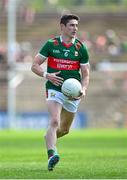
(86, 154)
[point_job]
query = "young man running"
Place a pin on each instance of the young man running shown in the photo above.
(66, 58)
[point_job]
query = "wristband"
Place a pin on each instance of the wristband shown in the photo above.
(44, 74)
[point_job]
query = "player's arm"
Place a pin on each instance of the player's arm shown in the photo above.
(38, 70)
(36, 66)
(85, 68)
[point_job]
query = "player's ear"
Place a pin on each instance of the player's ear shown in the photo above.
(62, 26)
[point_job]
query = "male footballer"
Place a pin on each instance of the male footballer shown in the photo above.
(66, 58)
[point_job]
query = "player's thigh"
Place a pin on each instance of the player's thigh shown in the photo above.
(54, 109)
(66, 119)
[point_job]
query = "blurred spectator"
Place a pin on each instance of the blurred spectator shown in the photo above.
(101, 43)
(85, 38)
(27, 14)
(113, 50)
(113, 43)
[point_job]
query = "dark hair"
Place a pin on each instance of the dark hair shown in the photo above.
(66, 18)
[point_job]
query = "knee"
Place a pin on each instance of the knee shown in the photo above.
(54, 123)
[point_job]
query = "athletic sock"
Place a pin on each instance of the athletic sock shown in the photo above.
(56, 151)
(51, 152)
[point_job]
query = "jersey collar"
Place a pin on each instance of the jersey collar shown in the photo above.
(65, 44)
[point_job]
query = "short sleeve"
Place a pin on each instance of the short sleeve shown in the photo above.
(84, 55)
(44, 51)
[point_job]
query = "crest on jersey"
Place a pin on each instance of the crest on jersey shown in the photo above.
(76, 53)
(66, 54)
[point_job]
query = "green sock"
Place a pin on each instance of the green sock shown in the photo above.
(51, 152)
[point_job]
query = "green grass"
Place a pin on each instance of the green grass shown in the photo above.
(90, 154)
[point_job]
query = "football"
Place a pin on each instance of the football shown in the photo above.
(71, 88)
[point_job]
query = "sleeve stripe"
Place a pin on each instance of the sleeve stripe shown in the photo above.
(42, 56)
(83, 64)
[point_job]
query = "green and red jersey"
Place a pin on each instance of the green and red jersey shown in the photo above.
(66, 58)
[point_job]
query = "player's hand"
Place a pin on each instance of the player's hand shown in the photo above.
(82, 94)
(56, 80)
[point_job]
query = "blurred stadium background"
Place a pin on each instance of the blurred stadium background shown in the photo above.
(26, 25)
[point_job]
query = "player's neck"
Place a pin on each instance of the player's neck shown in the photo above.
(67, 39)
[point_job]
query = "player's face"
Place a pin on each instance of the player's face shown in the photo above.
(71, 28)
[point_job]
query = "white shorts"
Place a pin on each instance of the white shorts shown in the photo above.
(69, 105)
